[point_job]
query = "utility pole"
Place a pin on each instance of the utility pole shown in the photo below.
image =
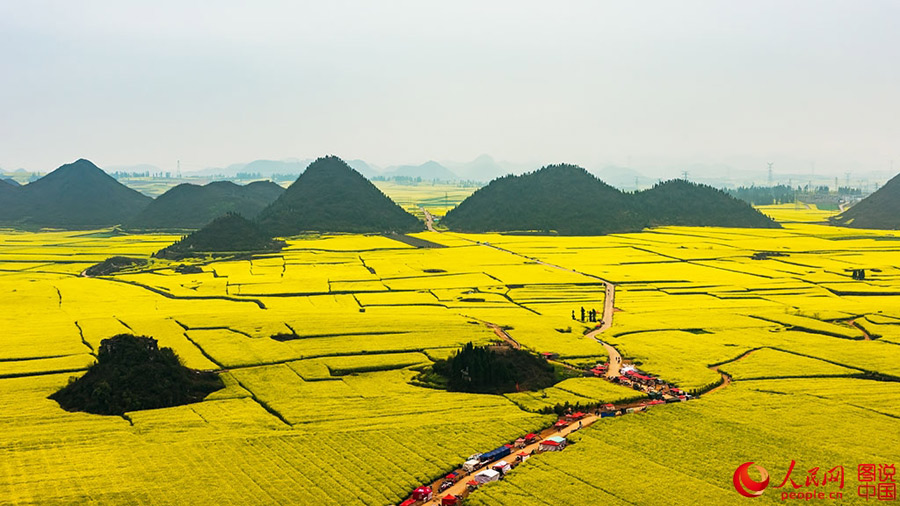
(179, 169)
(770, 172)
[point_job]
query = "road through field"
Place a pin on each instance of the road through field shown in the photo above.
(429, 220)
(460, 487)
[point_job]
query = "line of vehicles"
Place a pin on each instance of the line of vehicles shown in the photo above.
(493, 465)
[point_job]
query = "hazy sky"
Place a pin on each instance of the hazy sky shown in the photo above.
(212, 83)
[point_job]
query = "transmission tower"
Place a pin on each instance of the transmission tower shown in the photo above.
(684, 175)
(770, 172)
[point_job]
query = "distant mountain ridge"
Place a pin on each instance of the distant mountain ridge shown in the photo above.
(483, 168)
(78, 195)
(189, 206)
(568, 200)
(330, 196)
(880, 210)
(428, 171)
(265, 168)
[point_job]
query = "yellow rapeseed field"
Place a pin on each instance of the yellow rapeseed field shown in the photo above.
(326, 413)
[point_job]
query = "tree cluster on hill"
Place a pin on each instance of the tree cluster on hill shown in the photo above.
(230, 233)
(330, 196)
(114, 264)
(683, 203)
(880, 210)
(764, 195)
(479, 369)
(565, 199)
(132, 373)
(192, 206)
(568, 200)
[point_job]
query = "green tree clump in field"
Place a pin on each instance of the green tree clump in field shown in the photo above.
(764, 195)
(480, 369)
(132, 373)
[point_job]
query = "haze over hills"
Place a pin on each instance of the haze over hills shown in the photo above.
(563, 198)
(428, 171)
(484, 168)
(330, 196)
(879, 210)
(138, 167)
(363, 168)
(192, 206)
(680, 202)
(261, 167)
(568, 200)
(78, 195)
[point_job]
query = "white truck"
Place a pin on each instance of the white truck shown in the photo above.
(487, 476)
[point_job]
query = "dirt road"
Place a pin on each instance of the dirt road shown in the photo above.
(502, 334)
(615, 359)
(459, 488)
(429, 219)
(726, 379)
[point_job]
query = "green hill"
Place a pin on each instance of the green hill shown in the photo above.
(680, 202)
(78, 195)
(568, 200)
(332, 197)
(193, 206)
(562, 198)
(230, 233)
(879, 210)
